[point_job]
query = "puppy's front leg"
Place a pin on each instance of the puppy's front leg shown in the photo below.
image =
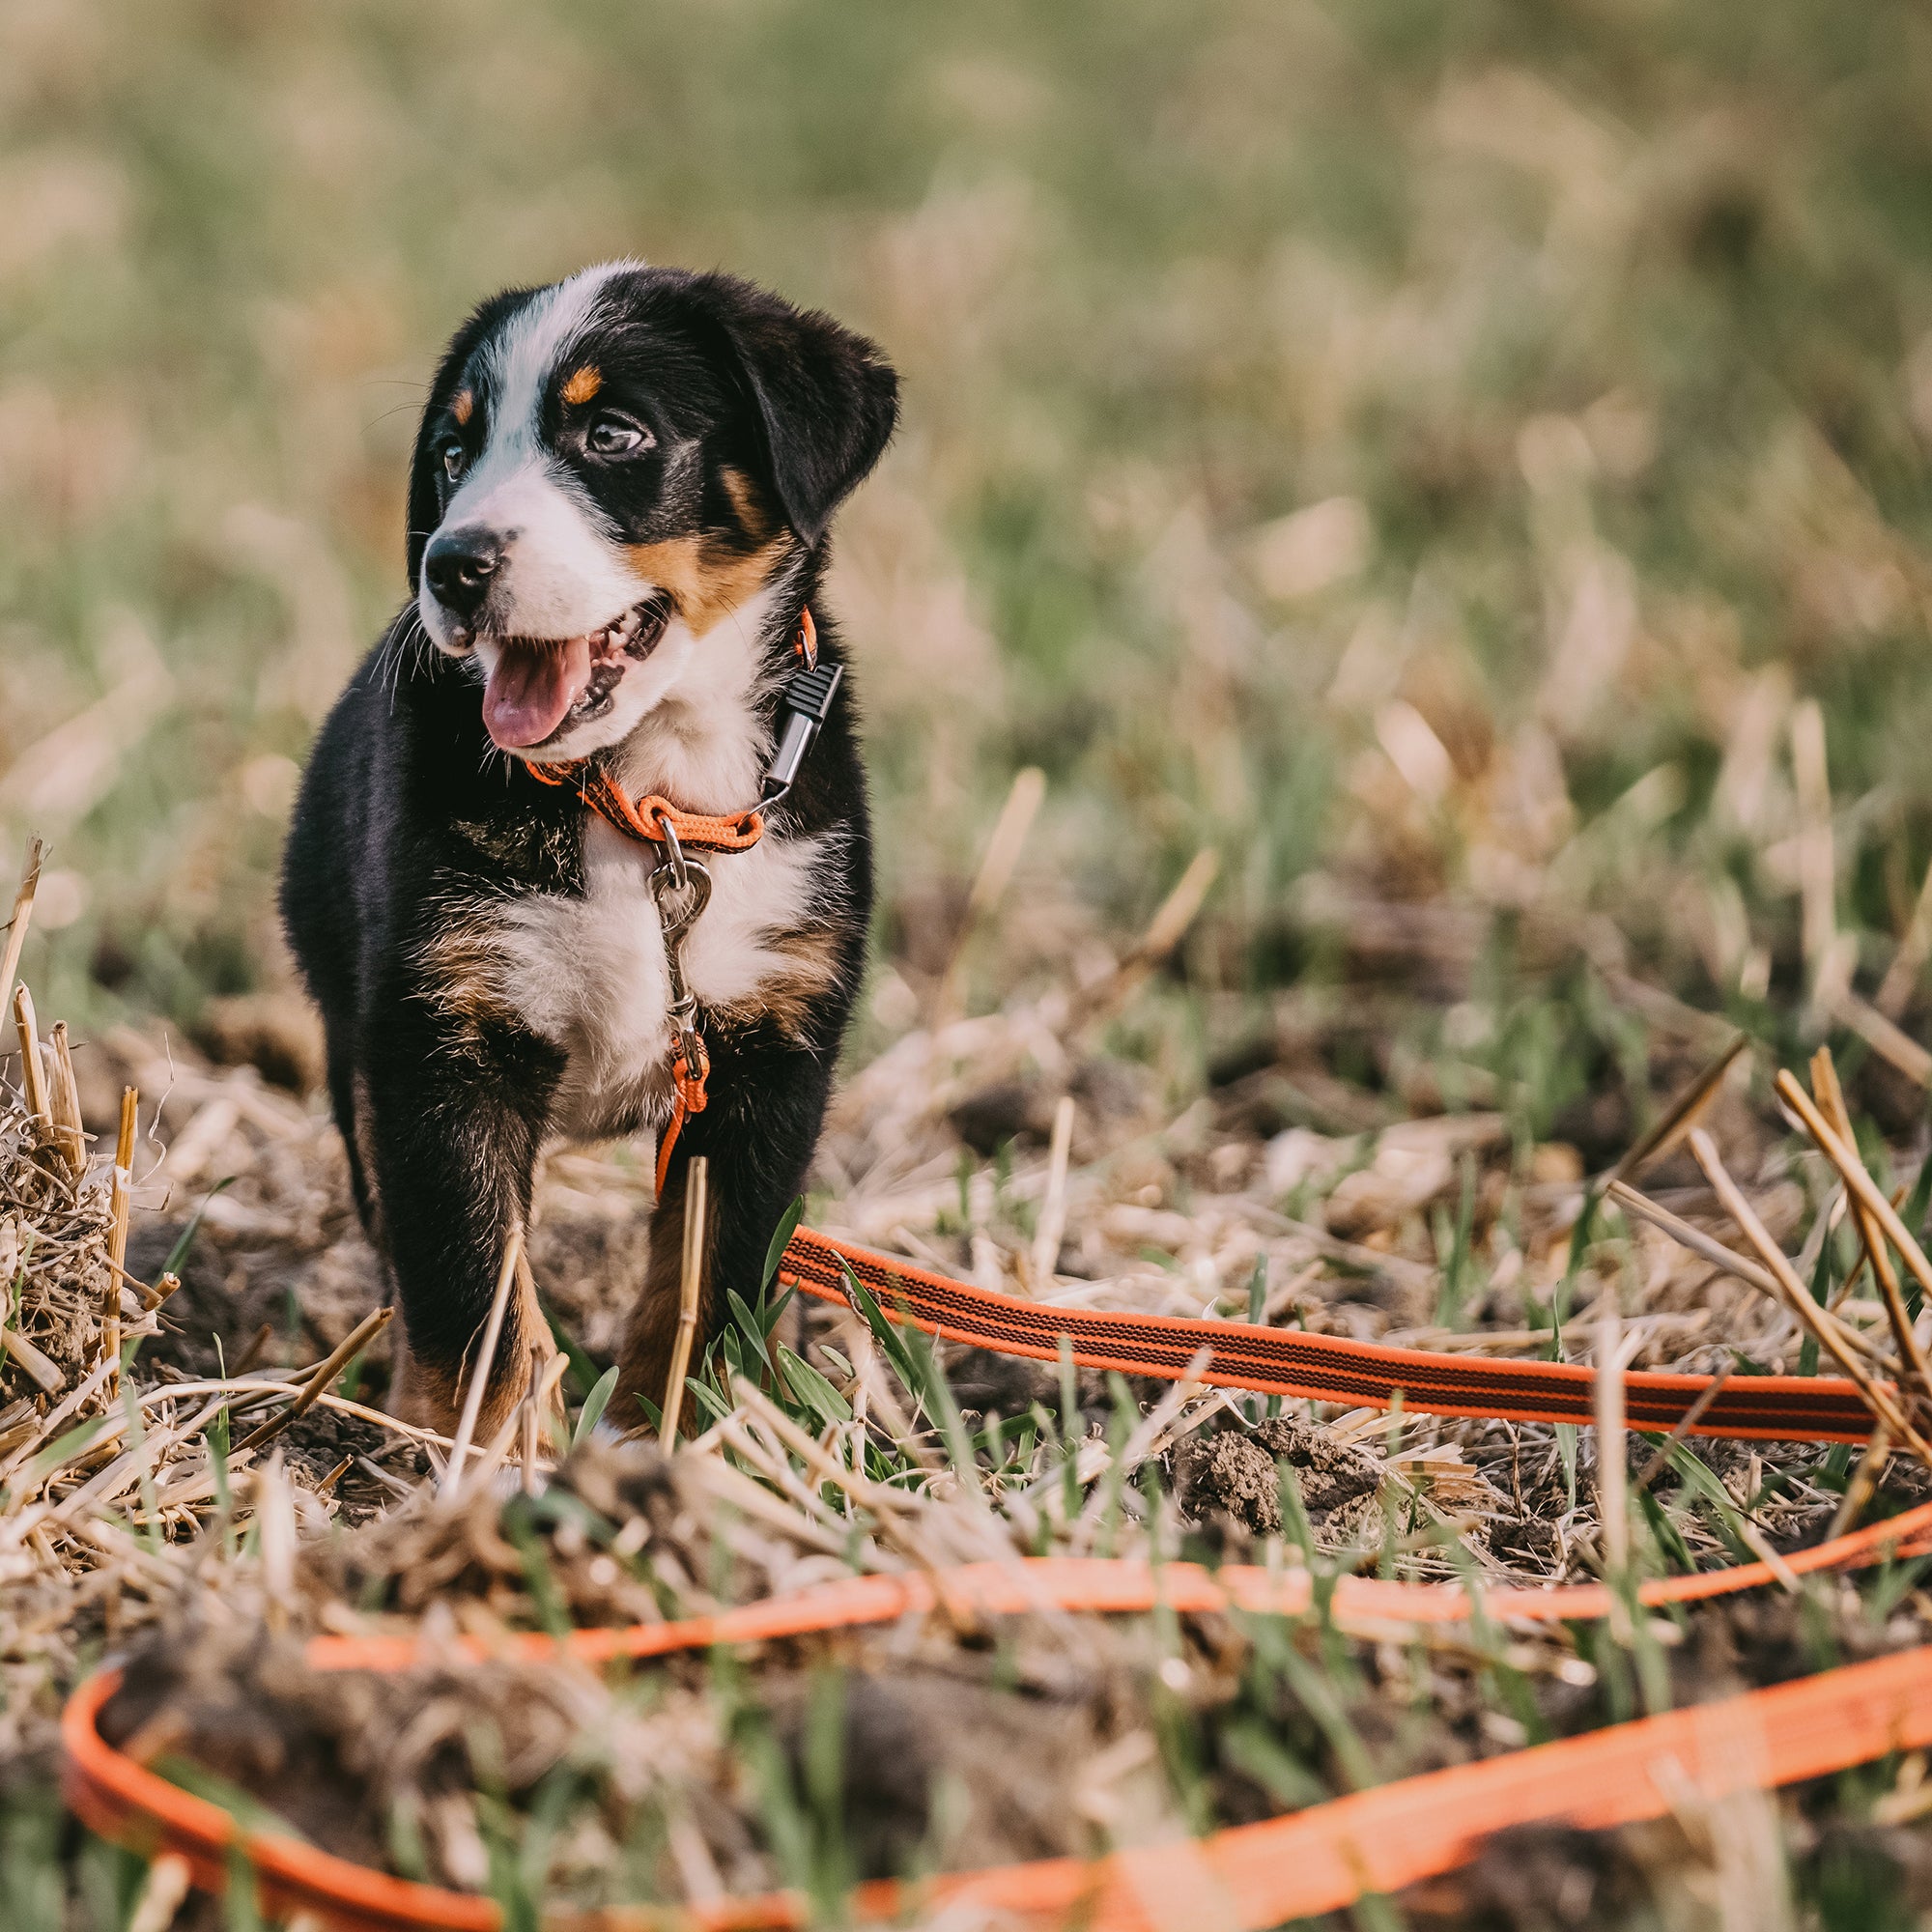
(456, 1114)
(767, 1101)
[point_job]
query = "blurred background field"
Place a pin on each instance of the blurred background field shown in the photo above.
(1465, 466)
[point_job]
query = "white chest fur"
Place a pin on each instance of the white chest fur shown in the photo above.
(589, 975)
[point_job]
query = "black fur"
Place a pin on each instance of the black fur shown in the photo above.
(409, 822)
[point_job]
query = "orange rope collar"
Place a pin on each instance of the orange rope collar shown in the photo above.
(653, 820)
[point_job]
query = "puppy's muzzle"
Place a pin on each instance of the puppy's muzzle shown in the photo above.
(460, 566)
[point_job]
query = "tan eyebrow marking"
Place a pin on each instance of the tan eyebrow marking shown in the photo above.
(583, 383)
(461, 404)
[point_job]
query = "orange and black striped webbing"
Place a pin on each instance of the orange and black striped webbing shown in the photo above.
(1322, 1368)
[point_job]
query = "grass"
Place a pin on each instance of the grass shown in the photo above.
(1467, 468)
(1609, 336)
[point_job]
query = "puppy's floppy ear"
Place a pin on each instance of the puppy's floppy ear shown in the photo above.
(827, 399)
(425, 465)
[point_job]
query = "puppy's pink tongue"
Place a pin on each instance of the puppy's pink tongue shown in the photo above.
(533, 689)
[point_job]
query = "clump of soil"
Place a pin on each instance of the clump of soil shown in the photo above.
(1239, 1471)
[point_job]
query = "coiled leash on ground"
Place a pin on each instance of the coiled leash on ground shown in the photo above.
(1251, 1876)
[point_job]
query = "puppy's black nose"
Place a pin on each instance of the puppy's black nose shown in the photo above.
(460, 564)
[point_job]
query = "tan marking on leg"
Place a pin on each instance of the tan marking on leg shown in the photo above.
(645, 1362)
(430, 1394)
(707, 579)
(583, 383)
(365, 1154)
(420, 1393)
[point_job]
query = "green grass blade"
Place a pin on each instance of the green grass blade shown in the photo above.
(594, 1405)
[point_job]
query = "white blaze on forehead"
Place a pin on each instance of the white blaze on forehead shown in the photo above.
(564, 573)
(521, 359)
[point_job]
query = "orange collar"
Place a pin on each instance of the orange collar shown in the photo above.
(653, 820)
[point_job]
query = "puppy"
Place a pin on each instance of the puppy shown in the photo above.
(618, 523)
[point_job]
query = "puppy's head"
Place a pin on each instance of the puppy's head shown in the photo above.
(612, 468)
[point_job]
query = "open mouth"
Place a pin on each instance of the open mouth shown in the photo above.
(539, 685)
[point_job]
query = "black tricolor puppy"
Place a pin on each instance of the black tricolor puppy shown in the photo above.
(618, 513)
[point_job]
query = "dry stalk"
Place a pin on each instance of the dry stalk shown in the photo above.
(537, 1328)
(527, 1458)
(1828, 1331)
(1613, 1354)
(1053, 1206)
(697, 1188)
(162, 1894)
(479, 1372)
(990, 882)
(1755, 1542)
(890, 1507)
(754, 1500)
(276, 1525)
(1817, 869)
(1739, 1266)
(1164, 932)
(1831, 1104)
(1853, 1171)
(358, 1338)
(496, 1450)
(1908, 962)
(1864, 1480)
(63, 1103)
(36, 1365)
(33, 1070)
(1681, 1115)
(51, 1423)
(1884, 1038)
(16, 926)
(121, 1205)
(765, 1456)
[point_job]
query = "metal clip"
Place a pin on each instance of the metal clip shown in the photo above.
(808, 704)
(673, 857)
(679, 901)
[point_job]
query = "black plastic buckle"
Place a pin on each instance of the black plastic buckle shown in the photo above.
(808, 704)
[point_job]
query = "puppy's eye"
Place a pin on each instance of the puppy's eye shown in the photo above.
(455, 459)
(617, 436)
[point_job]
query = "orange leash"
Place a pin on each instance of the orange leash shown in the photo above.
(1319, 1368)
(1315, 1860)
(688, 1096)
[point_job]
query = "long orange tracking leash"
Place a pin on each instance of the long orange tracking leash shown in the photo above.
(1268, 1361)
(1319, 1860)
(1251, 1877)
(1320, 1368)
